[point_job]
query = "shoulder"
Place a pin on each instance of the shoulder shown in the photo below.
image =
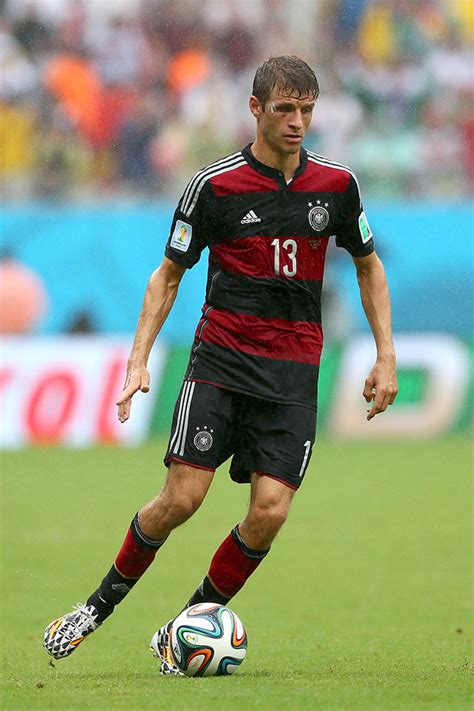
(202, 177)
(334, 172)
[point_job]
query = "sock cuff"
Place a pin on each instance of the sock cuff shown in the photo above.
(141, 538)
(249, 552)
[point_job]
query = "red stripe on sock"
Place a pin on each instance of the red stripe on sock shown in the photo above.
(133, 559)
(230, 568)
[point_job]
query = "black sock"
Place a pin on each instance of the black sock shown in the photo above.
(112, 590)
(135, 556)
(206, 592)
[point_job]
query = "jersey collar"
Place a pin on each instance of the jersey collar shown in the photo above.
(273, 172)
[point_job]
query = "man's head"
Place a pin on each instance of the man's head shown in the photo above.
(284, 92)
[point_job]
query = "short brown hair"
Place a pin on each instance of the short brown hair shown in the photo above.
(287, 72)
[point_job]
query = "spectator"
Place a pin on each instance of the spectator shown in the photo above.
(18, 76)
(62, 159)
(32, 33)
(72, 79)
(119, 49)
(105, 66)
(134, 142)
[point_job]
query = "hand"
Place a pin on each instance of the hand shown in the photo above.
(381, 386)
(137, 379)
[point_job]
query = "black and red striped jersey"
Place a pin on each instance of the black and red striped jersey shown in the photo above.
(260, 332)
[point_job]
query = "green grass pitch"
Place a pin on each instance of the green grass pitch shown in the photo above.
(364, 602)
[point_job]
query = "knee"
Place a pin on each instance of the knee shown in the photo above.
(178, 509)
(265, 520)
(271, 517)
(167, 511)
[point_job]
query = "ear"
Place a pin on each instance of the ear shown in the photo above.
(255, 107)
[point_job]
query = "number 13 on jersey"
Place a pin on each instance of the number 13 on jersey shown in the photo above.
(284, 251)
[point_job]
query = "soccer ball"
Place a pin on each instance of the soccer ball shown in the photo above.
(208, 640)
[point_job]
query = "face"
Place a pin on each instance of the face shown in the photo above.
(284, 120)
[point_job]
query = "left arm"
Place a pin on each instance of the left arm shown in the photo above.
(381, 383)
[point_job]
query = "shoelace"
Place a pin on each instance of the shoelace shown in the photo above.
(77, 624)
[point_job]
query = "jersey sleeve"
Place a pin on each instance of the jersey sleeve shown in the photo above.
(191, 225)
(354, 233)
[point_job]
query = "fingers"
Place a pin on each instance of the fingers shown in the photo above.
(124, 402)
(383, 397)
(132, 385)
(127, 393)
(145, 382)
(380, 405)
(393, 395)
(369, 386)
(124, 410)
(380, 387)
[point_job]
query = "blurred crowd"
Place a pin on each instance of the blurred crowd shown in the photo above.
(124, 99)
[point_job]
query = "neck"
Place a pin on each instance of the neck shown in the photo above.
(288, 163)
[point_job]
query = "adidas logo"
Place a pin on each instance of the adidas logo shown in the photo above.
(250, 217)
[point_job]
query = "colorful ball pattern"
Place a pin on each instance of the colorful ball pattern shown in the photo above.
(208, 640)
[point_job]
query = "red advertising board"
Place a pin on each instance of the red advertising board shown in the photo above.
(63, 390)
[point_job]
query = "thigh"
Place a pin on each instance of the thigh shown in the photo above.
(185, 478)
(181, 495)
(277, 441)
(202, 426)
(266, 492)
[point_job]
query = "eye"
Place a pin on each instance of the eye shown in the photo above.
(283, 109)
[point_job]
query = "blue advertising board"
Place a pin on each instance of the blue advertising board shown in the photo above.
(96, 260)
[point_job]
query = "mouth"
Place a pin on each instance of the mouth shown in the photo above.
(293, 138)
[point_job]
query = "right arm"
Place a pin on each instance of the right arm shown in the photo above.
(188, 237)
(159, 298)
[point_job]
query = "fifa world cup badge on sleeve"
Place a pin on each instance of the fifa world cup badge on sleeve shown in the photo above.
(181, 237)
(364, 229)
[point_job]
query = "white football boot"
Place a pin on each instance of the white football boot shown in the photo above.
(64, 635)
(160, 646)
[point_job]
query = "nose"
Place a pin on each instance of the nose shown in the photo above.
(296, 119)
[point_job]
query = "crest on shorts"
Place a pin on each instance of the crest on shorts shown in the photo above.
(203, 440)
(318, 217)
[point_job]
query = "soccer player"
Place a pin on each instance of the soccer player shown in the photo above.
(266, 213)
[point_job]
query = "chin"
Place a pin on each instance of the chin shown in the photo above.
(291, 150)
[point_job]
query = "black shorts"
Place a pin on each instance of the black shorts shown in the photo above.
(210, 424)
